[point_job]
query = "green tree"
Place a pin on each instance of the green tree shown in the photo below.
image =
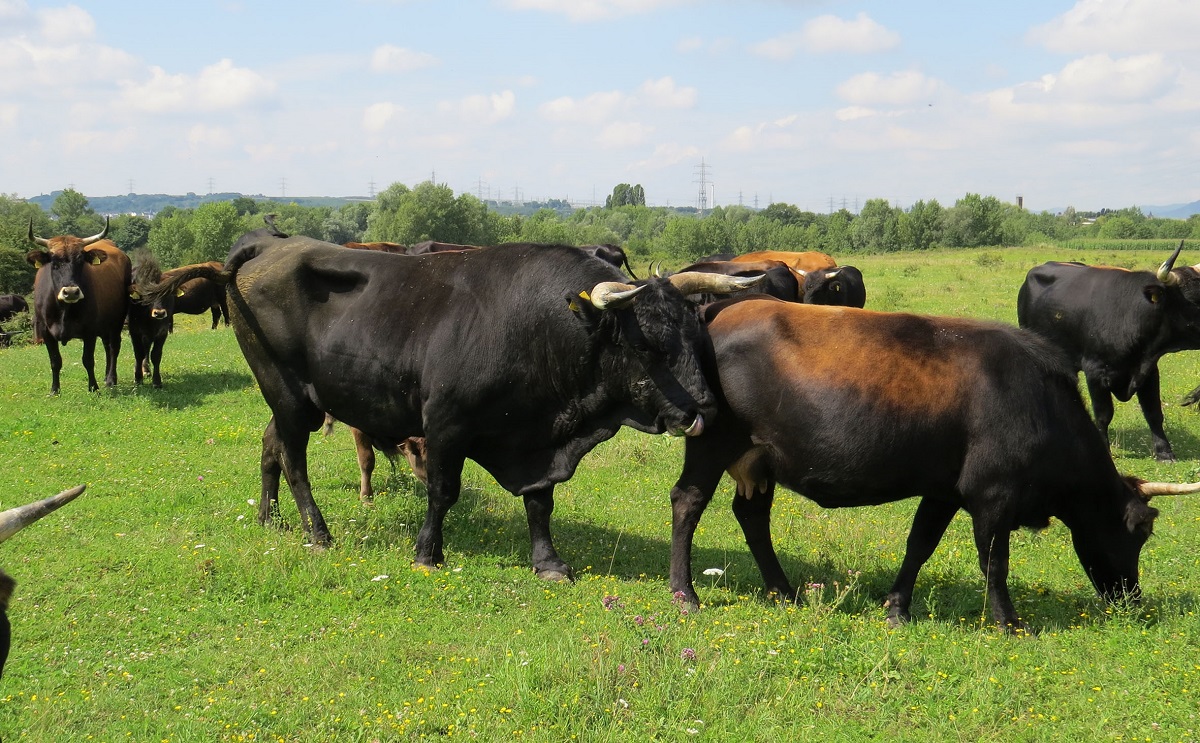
(170, 239)
(625, 195)
(921, 227)
(875, 228)
(214, 226)
(16, 275)
(974, 221)
(129, 232)
(74, 215)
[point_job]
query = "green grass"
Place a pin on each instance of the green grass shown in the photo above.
(154, 608)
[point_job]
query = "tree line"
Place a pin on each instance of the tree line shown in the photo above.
(429, 211)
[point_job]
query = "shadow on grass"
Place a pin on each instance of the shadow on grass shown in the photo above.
(187, 389)
(474, 529)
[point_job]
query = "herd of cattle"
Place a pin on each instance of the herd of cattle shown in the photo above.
(523, 357)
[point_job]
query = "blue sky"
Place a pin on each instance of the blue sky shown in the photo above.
(1088, 104)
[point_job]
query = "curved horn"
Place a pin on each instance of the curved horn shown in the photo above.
(611, 295)
(697, 282)
(35, 239)
(99, 236)
(1164, 271)
(1150, 489)
(15, 519)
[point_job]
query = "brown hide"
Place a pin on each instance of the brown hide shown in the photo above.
(384, 247)
(201, 295)
(804, 261)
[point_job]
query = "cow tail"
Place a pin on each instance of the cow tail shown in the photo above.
(154, 292)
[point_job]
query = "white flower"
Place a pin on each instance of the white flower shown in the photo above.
(714, 571)
(380, 577)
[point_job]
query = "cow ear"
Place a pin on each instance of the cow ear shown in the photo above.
(1153, 293)
(95, 256)
(37, 258)
(1139, 517)
(581, 305)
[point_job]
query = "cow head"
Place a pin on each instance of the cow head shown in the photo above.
(157, 306)
(654, 344)
(1109, 541)
(63, 257)
(12, 521)
(842, 286)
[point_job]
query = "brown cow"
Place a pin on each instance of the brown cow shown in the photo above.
(383, 247)
(413, 449)
(804, 261)
(200, 295)
(80, 291)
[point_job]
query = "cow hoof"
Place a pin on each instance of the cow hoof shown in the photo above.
(1166, 456)
(554, 575)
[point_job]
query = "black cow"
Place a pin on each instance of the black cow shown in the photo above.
(521, 358)
(842, 286)
(10, 305)
(1114, 325)
(779, 280)
(200, 295)
(150, 320)
(80, 291)
(854, 408)
(426, 247)
(12, 521)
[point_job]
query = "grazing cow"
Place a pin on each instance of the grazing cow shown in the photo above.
(779, 279)
(804, 261)
(1114, 325)
(383, 247)
(824, 281)
(413, 449)
(150, 320)
(12, 521)
(855, 408)
(200, 295)
(80, 291)
(10, 305)
(521, 358)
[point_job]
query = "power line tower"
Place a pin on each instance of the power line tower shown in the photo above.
(130, 186)
(210, 186)
(371, 188)
(702, 198)
(283, 188)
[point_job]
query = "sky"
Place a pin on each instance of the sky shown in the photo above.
(818, 103)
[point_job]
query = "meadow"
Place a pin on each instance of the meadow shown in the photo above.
(155, 608)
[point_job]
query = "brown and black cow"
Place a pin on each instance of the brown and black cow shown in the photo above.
(200, 295)
(382, 247)
(855, 408)
(80, 291)
(10, 305)
(412, 447)
(823, 281)
(12, 521)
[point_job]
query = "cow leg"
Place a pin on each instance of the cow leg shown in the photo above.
(55, 354)
(156, 352)
(216, 315)
(1102, 405)
(112, 349)
(271, 468)
(443, 488)
(929, 524)
(366, 463)
(753, 512)
(139, 356)
(1149, 397)
(89, 362)
(546, 563)
(689, 497)
(992, 544)
(289, 446)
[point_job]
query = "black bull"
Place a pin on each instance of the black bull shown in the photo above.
(853, 408)
(1114, 326)
(521, 357)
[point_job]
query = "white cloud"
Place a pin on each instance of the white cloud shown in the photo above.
(830, 34)
(667, 155)
(1122, 26)
(1099, 77)
(388, 58)
(8, 115)
(69, 25)
(624, 134)
(595, 107)
(780, 133)
(218, 87)
(594, 10)
(663, 93)
(487, 109)
(377, 116)
(203, 137)
(897, 89)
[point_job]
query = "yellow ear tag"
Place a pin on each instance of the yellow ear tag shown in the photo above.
(96, 261)
(586, 297)
(179, 292)
(37, 264)
(134, 295)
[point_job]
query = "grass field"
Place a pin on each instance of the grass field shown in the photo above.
(154, 608)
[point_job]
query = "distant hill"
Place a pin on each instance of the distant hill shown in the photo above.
(151, 204)
(1173, 211)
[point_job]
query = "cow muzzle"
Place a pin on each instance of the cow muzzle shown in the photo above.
(70, 294)
(158, 313)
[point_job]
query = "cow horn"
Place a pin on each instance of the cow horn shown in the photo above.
(1150, 489)
(15, 519)
(698, 282)
(98, 236)
(35, 239)
(1164, 271)
(611, 295)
